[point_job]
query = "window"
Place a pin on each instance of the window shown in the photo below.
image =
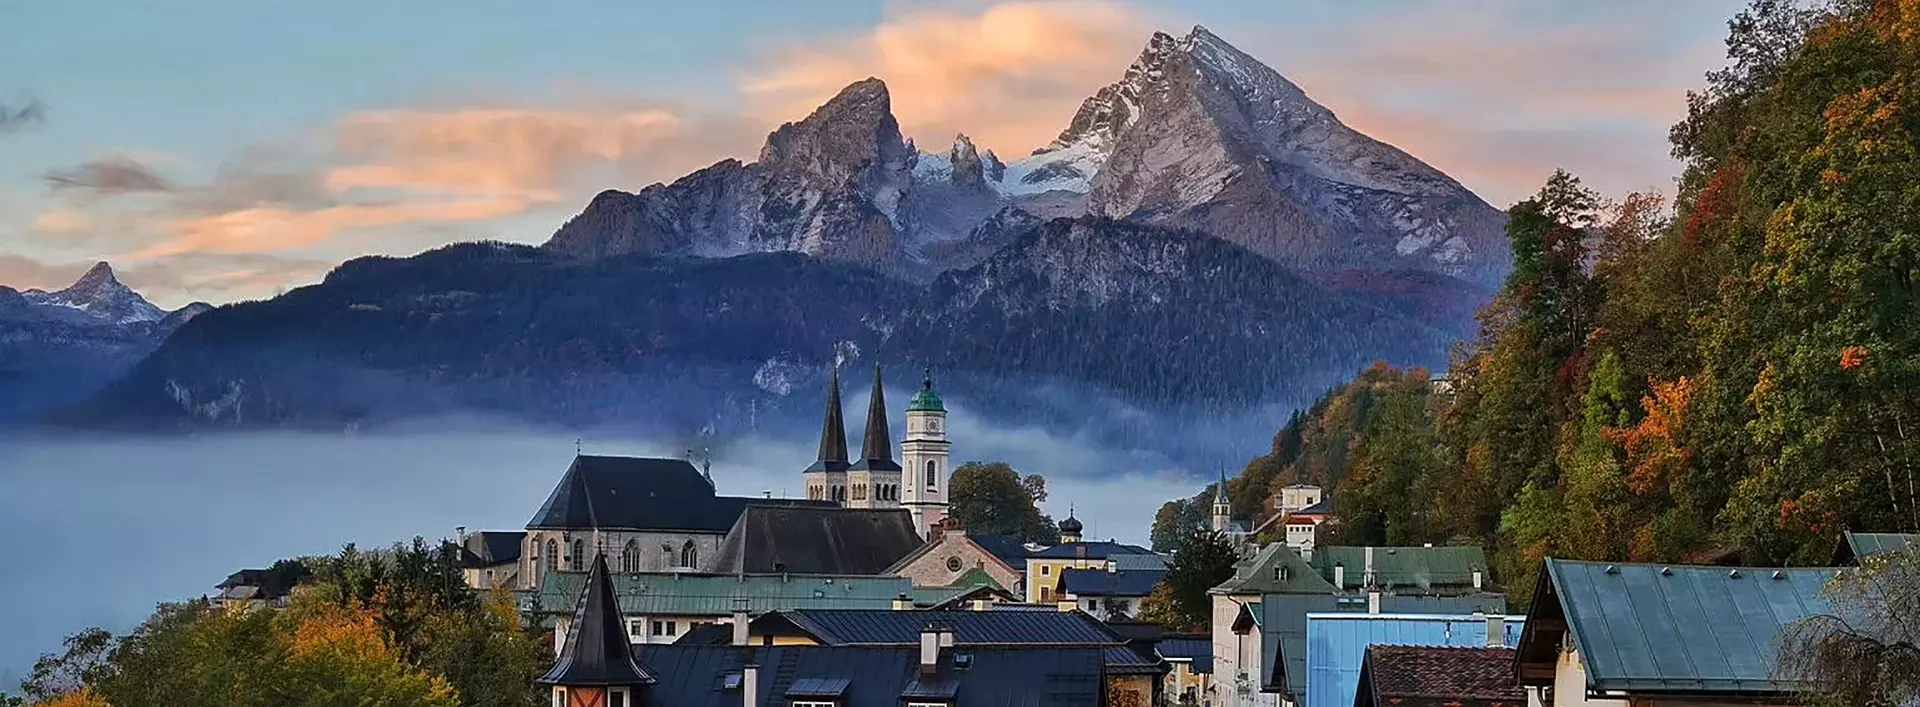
(689, 555)
(1282, 573)
(933, 472)
(559, 697)
(1046, 570)
(616, 697)
(577, 560)
(812, 703)
(1089, 605)
(953, 564)
(1046, 594)
(933, 424)
(553, 555)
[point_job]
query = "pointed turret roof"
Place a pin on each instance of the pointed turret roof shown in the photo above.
(833, 432)
(876, 446)
(1220, 492)
(597, 652)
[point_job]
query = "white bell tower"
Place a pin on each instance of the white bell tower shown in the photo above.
(924, 453)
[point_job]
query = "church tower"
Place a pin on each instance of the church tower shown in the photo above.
(924, 453)
(874, 481)
(827, 479)
(1222, 508)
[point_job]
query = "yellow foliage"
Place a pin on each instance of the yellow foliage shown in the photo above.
(80, 698)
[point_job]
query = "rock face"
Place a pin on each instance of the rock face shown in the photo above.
(829, 185)
(58, 347)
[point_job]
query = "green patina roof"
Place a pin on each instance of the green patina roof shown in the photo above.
(1867, 544)
(1262, 575)
(1426, 568)
(713, 594)
(926, 400)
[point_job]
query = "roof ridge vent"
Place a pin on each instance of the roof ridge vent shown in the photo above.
(1666, 571)
(1733, 574)
(1779, 574)
(1613, 569)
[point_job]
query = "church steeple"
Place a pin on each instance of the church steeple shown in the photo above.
(597, 658)
(876, 446)
(833, 432)
(1222, 507)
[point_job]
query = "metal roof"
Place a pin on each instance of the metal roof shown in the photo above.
(816, 540)
(1199, 651)
(1096, 550)
(1283, 627)
(597, 651)
(1423, 568)
(1101, 583)
(837, 627)
(1866, 544)
(1276, 569)
(874, 676)
(670, 594)
(1676, 628)
(1337, 644)
(1138, 562)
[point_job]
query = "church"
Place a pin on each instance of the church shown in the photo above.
(665, 515)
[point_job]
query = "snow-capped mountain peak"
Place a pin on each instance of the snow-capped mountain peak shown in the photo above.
(101, 295)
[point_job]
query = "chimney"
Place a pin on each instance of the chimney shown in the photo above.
(1496, 631)
(902, 603)
(1339, 575)
(929, 649)
(982, 605)
(1366, 575)
(739, 622)
(750, 685)
(1477, 579)
(460, 531)
(946, 637)
(1113, 566)
(1373, 601)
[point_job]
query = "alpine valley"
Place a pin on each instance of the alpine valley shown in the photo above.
(1202, 242)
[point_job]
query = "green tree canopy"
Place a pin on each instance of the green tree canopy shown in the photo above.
(990, 498)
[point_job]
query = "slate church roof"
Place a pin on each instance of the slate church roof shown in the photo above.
(833, 432)
(634, 493)
(811, 539)
(876, 446)
(488, 548)
(597, 652)
(872, 676)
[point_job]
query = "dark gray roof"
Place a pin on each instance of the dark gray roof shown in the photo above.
(1007, 548)
(816, 540)
(635, 493)
(883, 627)
(833, 432)
(1283, 627)
(1197, 650)
(1093, 550)
(874, 676)
(597, 651)
(1672, 628)
(491, 547)
(876, 446)
(1101, 583)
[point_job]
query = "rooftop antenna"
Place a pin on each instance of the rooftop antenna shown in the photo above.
(576, 446)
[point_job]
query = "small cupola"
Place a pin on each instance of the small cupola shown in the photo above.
(596, 665)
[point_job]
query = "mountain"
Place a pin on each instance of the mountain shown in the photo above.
(59, 347)
(1200, 135)
(515, 331)
(1168, 316)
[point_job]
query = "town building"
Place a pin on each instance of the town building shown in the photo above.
(1443, 571)
(1128, 665)
(1191, 677)
(1108, 593)
(663, 607)
(596, 666)
(1337, 645)
(955, 558)
(649, 515)
(253, 588)
(1046, 567)
(1608, 634)
(491, 559)
(782, 539)
(1430, 676)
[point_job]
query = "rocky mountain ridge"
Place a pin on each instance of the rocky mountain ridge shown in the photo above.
(58, 347)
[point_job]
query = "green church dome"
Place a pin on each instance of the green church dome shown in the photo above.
(926, 400)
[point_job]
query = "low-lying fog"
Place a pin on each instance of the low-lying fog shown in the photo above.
(101, 529)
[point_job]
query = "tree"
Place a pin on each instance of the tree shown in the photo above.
(1201, 562)
(83, 661)
(1866, 651)
(1179, 518)
(1160, 609)
(991, 498)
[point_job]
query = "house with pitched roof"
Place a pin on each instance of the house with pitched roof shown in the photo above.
(491, 559)
(1434, 676)
(1615, 633)
(1108, 593)
(812, 539)
(954, 557)
(1046, 567)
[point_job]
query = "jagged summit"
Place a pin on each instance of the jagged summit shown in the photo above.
(101, 295)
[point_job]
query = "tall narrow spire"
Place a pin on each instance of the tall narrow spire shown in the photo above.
(1220, 492)
(876, 446)
(597, 652)
(833, 433)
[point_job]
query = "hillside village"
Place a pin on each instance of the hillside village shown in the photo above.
(654, 590)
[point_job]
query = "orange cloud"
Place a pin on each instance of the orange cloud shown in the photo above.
(266, 229)
(62, 222)
(1009, 76)
(533, 154)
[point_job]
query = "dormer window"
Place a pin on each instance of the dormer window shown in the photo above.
(1282, 573)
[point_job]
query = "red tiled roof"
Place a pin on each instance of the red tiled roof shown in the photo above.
(1421, 676)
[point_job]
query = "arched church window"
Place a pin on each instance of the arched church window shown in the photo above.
(933, 471)
(553, 555)
(689, 555)
(576, 560)
(630, 557)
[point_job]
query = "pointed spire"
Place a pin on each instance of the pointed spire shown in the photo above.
(833, 433)
(876, 446)
(597, 652)
(1220, 492)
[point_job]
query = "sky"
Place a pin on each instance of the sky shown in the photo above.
(225, 150)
